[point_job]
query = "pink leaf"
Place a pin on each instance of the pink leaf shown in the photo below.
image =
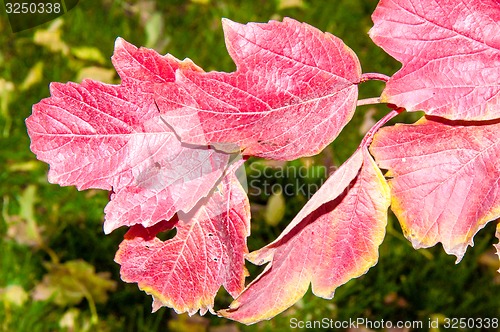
(450, 52)
(102, 136)
(208, 251)
(294, 90)
(445, 179)
(333, 239)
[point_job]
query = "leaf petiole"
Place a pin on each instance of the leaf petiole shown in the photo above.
(369, 135)
(373, 76)
(368, 101)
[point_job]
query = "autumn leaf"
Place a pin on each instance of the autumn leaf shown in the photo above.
(333, 239)
(450, 52)
(95, 135)
(294, 90)
(186, 272)
(444, 179)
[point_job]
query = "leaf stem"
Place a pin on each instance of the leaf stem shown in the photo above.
(374, 76)
(369, 135)
(368, 101)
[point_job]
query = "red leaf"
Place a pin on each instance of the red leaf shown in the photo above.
(333, 239)
(445, 179)
(293, 92)
(450, 52)
(208, 251)
(102, 136)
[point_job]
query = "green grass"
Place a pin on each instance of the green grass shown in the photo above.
(404, 285)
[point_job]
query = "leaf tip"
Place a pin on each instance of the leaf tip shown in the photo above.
(157, 304)
(227, 23)
(108, 227)
(119, 41)
(233, 314)
(459, 250)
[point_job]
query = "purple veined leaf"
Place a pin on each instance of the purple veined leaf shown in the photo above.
(450, 52)
(444, 179)
(294, 90)
(333, 239)
(186, 272)
(95, 135)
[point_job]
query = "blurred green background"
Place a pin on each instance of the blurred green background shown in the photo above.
(56, 265)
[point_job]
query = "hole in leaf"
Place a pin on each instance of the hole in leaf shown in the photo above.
(167, 235)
